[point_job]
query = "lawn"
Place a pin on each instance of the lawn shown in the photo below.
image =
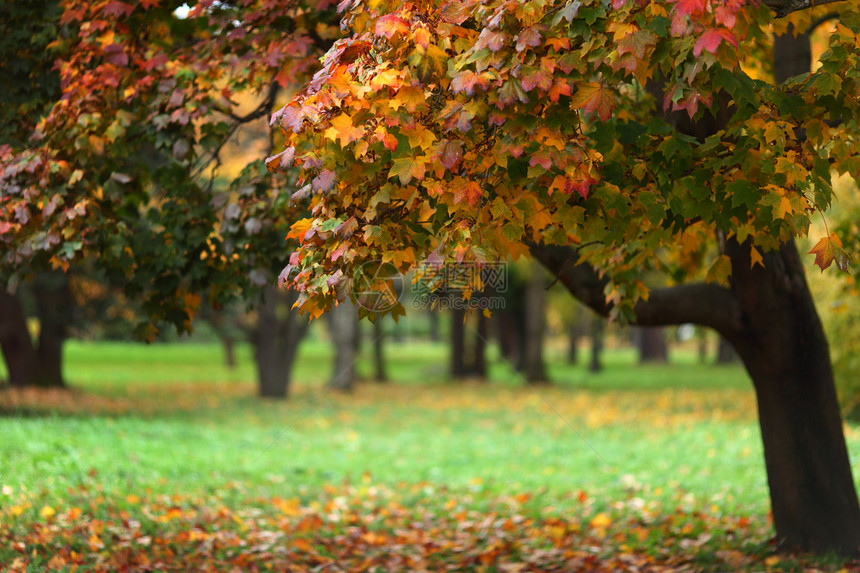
(162, 456)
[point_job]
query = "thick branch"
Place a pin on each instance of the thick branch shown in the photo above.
(785, 7)
(697, 303)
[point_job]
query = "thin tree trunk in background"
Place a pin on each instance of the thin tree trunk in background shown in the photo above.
(597, 332)
(378, 347)
(228, 344)
(343, 322)
(533, 314)
(480, 361)
(458, 344)
(725, 353)
(433, 318)
(574, 332)
(702, 344)
(22, 362)
(652, 344)
(276, 341)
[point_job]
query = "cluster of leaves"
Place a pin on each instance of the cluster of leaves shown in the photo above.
(468, 129)
(369, 526)
(122, 168)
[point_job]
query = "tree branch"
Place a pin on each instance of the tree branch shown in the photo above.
(785, 7)
(698, 303)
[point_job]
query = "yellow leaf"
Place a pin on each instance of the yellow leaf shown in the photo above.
(755, 257)
(48, 512)
(720, 271)
(600, 521)
(299, 229)
(343, 130)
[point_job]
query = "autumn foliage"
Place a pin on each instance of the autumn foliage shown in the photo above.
(468, 129)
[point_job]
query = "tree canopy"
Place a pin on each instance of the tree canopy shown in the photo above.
(470, 129)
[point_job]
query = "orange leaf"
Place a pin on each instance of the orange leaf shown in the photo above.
(592, 97)
(342, 129)
(827, 250)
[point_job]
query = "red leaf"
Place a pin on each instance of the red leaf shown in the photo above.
(324, 181)
(711, 39)
(118, 9)
(529, 37)
(283, 160)
(466, 81)
(391, 25)
(450, 154)
(689, 7)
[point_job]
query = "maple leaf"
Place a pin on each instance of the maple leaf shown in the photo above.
(428, 62)
(450, 153)
(689, 7)
(829, 249)
(343, 130)
(283, 160)
(324, 182)
(469, 191)
(711, 39)
(537, 77)
(466, 81)
(391, 25)
(531, 36)
(593, 98)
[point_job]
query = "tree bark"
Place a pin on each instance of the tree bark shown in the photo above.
(22, 362)
(574, 332)
(276, 338)
(725, 353)
(433, 321)
(652, 345)
(458, 344)
(344, 331)
(597, 330)
(783, 346)
(480, 348)
(535, 324)
(378, 350)
(769, 317)
(54, 308)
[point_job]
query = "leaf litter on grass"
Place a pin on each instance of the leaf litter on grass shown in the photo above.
(371, 527)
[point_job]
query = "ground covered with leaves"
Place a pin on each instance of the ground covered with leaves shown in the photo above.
(594, 473)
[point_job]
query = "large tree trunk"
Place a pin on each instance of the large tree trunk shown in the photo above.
(276, 338)
(769, 317)
(344, 331)
(784, 349)
(54, 307)
(535, 324)
(22, 362)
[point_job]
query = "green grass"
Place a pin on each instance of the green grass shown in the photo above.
(181, 420)
(166, 419)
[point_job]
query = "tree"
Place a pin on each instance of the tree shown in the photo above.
(113, 156)
(607, 140)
